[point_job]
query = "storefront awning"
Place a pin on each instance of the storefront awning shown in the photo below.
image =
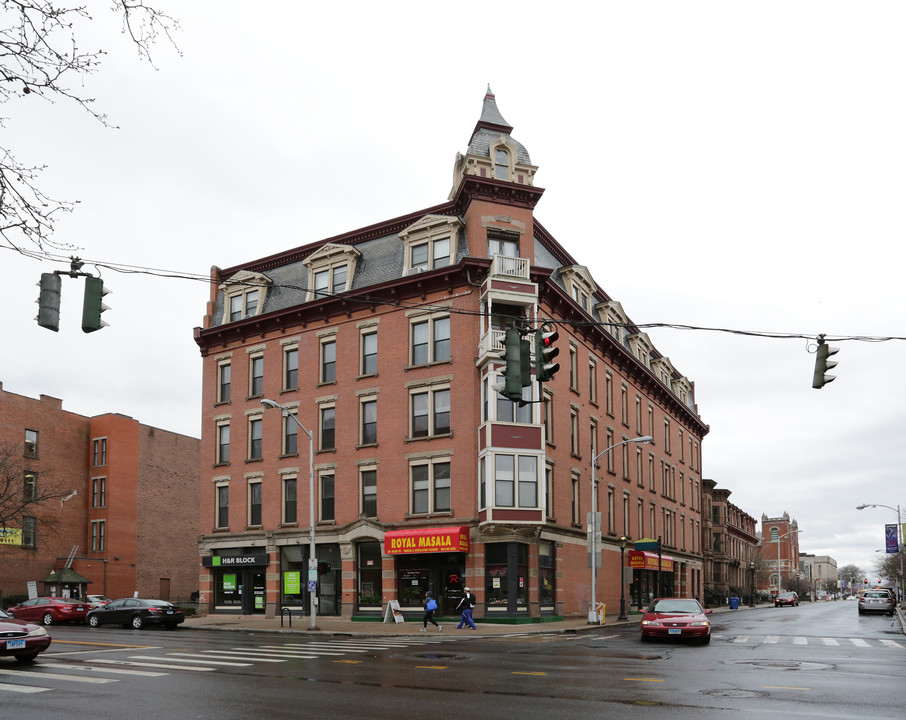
(644, 560)
(426, 540)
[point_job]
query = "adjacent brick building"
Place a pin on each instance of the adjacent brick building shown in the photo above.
(387, 344)
(732, 554)
(123, 501)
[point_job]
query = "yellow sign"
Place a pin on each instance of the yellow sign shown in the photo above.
(10, 536)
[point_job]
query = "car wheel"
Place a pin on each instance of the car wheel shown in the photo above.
(47, 619)
(26, 657)
(137, 622)
(706, 640)
(94, 621)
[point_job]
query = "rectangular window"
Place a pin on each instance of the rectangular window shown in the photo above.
(548, 408)
(31, 444)
(291, 368)
(503, 246)
(223, 506)
(243, 305)
(369, 493)
(98, 532)
(223, 443)
(369, 422)
(430, 341)
(609, 440)
(224, 381)
(574, 433)
(328, 361)
(290, 436)
(592, 382)
(430, 487)
(610, 511)
(506, 492)
(430, 413)
(608, 393)
(99, 492)
(528, 481)
(255, 438)
(99, 452)
(573, 369)
(511, 411)
(327, 498)
(339, 274)
(328, 428)
(256, 376)
(29, 486)
(254, 504)
(666, 436)
(549, 492)
(624, 405)
(626, 516)
(575, 500)
(289, 501)
(29, 532)
(369, 353)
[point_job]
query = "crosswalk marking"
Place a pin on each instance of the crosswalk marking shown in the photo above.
(155, 665)
(741, 639)
(112, 671)
(859, 642)
(173, 658)
(830, 641)
(772, 639)
(6, 687)
(801, 640)
(54, 676)
(891, 643)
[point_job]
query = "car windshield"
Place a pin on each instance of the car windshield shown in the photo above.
(675, 606)
(876, 594)
(4, 615)
(787, 594)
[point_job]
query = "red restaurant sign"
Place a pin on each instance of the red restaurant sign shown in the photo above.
(426, 540)
(643, 560)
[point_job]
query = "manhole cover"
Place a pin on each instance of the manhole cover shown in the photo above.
(733, 693)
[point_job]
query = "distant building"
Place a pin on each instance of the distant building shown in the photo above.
(780, 553)
(124, 508)
(730, 546)
(820, 572)
(387, 344)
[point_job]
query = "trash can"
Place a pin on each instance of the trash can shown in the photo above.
(734, 603)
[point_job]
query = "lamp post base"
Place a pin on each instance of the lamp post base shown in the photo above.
(622, 609)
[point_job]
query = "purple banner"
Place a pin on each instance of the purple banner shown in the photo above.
(890, 538)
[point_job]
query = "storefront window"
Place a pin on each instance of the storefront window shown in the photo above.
(546, 574)
(506, 577)
(413, 580)
(369, 580)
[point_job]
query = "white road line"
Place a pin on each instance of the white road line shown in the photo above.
(171, 657)
(22, 688)
(229, 655)
(830, 641)
(859, 642)
(771, 639)
(741, 639)
(316, 651)
(156, 665)
(115, 671)
(800, 641)
(255, 652)
(891, 643)
(56, 676)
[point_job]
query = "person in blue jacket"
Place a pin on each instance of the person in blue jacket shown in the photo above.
(465, 605)
(430, 607)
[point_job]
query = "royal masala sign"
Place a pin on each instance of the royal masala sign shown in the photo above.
(426, 540)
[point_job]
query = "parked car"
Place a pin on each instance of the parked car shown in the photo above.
(23, 640)
(787, 598)
(49, 610)
(879, 601)
(97, 600)
(137, 613)
(681, 618)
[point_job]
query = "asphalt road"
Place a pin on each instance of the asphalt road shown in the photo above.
(817, 660)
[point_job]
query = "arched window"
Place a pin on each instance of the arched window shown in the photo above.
(775, 534)
(501, 164)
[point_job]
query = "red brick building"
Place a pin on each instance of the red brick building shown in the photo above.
(386, 344)
(731, 547)
(123, 501)
(780, 554)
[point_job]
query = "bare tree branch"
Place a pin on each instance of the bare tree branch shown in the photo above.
(40, 57)
(19, 497)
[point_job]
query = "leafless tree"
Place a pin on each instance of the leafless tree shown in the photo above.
(24, 492)
(40, 56)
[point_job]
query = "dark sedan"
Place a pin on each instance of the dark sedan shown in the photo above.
(681, 618)
(23, 640)
(786, 598)
(49, 610)
(137, 613)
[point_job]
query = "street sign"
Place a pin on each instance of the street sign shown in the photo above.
(312, 585)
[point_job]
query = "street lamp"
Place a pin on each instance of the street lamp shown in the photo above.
(899, 539)
(779, 538)
(312, 559)
(623, 540)
(752, 587)
(593, 525)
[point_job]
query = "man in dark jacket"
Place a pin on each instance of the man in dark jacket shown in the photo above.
(465, 605)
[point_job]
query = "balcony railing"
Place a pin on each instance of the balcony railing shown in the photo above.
(503, 265)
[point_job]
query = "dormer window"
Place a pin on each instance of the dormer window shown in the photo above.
(330, 269)
(430, 243)
(243, 305)
(244, 295)
(501, 164)
(580, 285)
(503, 244)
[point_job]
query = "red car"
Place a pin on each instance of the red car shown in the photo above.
(682, 618)
(786, 598)
(21, 639)
(49, 610)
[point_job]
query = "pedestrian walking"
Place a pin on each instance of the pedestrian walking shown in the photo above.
(430, 607)
(465, 605)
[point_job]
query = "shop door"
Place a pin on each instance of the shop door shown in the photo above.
(451, 585)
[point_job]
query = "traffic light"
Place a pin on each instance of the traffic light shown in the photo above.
(823, 365)
(93, 305)
(323, 568)
(544, 353)
(518, 372)
(49, 302)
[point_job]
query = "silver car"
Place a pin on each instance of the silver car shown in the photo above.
(879, 601)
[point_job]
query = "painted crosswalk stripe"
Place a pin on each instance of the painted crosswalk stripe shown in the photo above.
(30, 674)
(830, 641)
(891, 643)
(772, 639)
(859, 642)
(112, 671)
(317, 651)
(174, 658)
(741, 639)
(231, 655)
(161, 666)
(800, 641)
(263, 652)
(22, 688)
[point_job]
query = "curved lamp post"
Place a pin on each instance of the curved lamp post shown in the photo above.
(312, 559)
(623, 540)
(899, 539)
(752, 587)
(593, 525)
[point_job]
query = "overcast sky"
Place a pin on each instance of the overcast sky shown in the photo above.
(717, 164)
